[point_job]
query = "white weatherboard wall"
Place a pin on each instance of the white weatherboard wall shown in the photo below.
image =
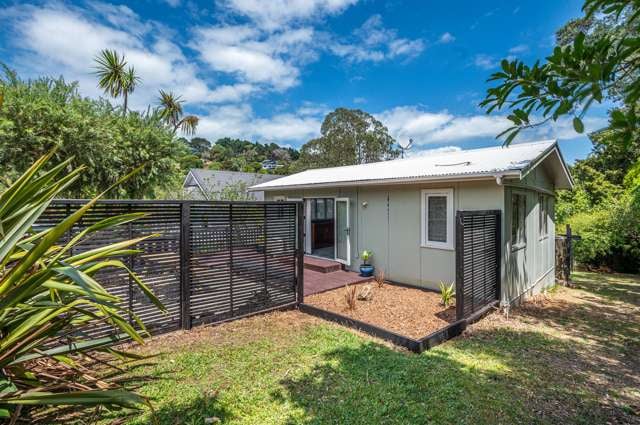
(390, 226)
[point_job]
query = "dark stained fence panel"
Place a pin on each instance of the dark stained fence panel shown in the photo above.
(208, 261)
(477, 260)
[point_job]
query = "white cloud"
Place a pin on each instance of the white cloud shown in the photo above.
(520, 48)
(240, 121)
(447, 37)
(485, 61)
(274, 14)
(54, 39)
(375, 43)
(173, 3)
(252, 56)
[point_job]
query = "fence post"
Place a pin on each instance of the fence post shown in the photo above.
(568, 254)
(498, 242)
(300, 252)
(185, 250)
(459, 265)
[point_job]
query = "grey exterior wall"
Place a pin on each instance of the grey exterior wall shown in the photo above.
(390, 226)
(530, 269)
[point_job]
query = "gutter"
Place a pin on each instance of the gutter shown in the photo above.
(389, 182)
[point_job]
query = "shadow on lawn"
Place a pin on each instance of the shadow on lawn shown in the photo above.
(502, 374)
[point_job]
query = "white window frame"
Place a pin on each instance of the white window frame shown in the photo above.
(515, 244)
(426, 243)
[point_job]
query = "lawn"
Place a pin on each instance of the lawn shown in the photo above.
(571, 356)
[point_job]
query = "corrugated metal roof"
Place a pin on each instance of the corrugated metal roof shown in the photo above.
(483, 162)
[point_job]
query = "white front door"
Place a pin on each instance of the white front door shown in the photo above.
(342, 231)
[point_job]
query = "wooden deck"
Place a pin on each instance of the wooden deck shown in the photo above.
(323, 275)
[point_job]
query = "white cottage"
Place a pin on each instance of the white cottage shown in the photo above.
(405, 210)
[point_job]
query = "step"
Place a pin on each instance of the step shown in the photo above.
(321, 265)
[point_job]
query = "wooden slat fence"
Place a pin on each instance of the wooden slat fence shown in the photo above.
(212, 261)
(477, 260)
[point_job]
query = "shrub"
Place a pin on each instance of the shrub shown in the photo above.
(447, 293)
(48, 292)
(350, 296)
(380, 278)
(42, 114)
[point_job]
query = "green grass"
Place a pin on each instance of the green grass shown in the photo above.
(572, 359)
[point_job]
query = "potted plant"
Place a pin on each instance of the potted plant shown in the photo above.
(366, 269)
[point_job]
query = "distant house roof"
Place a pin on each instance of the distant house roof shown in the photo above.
(513, 161)
(211, 181)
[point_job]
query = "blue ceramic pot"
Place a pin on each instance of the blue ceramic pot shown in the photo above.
(366, 270)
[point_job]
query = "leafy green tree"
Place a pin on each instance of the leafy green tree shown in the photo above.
(597, 56)
(41, 114)
(199, 146)
(172, 113)
(115, 78)
(348, 137)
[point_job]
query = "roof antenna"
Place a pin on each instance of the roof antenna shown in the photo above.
(405, 148)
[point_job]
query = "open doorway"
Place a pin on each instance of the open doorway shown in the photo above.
(321, 227)
(327, 228)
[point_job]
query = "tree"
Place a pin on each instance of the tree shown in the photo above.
(172, 113)
(199, 146)
(39, 115)
(597, 56)
(115, 78)
(348, 137)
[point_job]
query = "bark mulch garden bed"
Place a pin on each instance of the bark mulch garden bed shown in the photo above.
(405, 315)
(407, 311)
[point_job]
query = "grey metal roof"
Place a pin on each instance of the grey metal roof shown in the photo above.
(216, 180)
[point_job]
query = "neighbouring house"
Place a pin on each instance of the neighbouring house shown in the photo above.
(217, 184)
(405, 212)
(269, 164)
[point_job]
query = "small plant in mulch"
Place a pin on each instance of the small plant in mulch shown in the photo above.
(447, 294)
(365, 293)
(350, 296)
(380, 278)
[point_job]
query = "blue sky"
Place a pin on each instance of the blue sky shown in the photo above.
(270, 70)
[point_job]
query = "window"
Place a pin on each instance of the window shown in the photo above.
(543, 214)
(437, 218)
(278, 198)
(518, 220)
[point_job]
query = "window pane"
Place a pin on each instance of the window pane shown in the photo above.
(329, 208)
(541, 214)
(437, 219)
(515, 218)
(313, 209)
(320, 214)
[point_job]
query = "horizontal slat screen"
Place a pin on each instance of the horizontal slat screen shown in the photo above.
(239, 258)
(477, 260)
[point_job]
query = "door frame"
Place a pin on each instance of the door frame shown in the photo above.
(346, 262)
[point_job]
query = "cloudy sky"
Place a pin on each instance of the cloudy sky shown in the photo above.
(270, 70)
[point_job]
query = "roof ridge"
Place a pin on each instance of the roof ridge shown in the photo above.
(538, 142)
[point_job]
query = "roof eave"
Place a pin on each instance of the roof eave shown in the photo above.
(387, 182)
